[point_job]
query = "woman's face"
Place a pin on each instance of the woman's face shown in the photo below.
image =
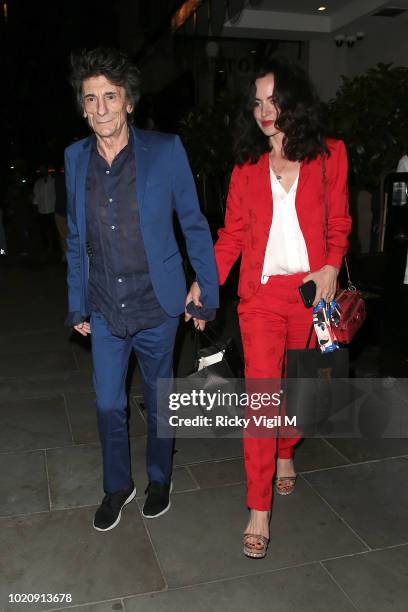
(265, 111)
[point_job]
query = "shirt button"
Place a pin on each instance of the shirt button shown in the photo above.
(107, 172)
(112, 227)
(123, 305)
(110, 200)
(119, 280)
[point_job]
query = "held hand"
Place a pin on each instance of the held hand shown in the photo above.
(83, 328)
(326, 283)
(194, 296)
(199, 323)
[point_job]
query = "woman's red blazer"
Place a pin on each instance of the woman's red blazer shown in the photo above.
(250, 208)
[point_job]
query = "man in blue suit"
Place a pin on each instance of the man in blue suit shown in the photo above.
(124, 265)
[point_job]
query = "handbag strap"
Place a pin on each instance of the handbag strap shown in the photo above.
(350, 285)
(210, 338)
(326, 203)
(285, 367)
(310, 337)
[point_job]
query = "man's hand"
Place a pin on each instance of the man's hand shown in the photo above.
(83, 328)
(194, 296)
(326, 283)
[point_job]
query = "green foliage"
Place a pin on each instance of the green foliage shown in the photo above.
(207, 135)
(370, 113)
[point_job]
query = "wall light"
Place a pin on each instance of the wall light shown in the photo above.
(339, 40)
(322, 8)
(348, 39)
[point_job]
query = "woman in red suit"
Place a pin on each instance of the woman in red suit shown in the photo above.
(276, 219)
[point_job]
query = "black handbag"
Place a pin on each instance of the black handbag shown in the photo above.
(311, 394)
(230, 366)
(221, 379)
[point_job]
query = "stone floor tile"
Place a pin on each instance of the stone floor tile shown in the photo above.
(82, 415)
(371, 497)
(218, 473)
(193, 450)
(358, 449)
(376, 581)
(314, 454)
(308, 589)
(42, 362)
(45, 386)
(34, 423)
(23, 483)
(303, 529)
(107, 606)
(60, 552)
(76, 477)
(34, 342)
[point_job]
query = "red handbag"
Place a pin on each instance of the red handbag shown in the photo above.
(353, 311)
(352, 308)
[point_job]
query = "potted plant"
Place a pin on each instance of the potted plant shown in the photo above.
(206, 134)
(370, 113)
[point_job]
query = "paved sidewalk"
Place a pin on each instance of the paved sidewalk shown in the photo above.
(339, 543)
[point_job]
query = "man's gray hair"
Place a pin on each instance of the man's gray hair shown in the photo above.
(108, 62)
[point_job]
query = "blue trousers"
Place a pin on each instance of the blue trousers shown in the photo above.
(154, 351)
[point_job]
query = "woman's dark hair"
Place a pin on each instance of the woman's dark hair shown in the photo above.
(298, 117)
(107, 62)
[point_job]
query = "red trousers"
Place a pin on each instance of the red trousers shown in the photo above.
(273, 319)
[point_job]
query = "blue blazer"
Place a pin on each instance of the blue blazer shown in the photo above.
(164, 184)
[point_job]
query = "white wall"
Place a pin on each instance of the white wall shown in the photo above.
(385, 41)
(388, 44)
(326, 65)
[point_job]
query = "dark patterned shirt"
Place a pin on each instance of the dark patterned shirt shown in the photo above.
(119, 287)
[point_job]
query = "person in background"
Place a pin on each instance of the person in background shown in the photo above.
(18, 210)
(403, 164)
(3, 244)
(275, 219)
(44, 200)
(403, 167)
(61, 211)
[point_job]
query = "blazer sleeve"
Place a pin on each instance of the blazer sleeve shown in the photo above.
(73, 252)
(194, 226)
(338, 218)
(230, 237)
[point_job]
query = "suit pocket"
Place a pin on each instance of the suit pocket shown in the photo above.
(173, 261)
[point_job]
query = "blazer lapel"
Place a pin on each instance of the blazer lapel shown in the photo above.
(304, 174)
(302, 202)
(142, 158)
(266, 198)
(260, 210)
(80, 187)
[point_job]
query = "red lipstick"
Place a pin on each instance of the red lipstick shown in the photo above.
(266, 123)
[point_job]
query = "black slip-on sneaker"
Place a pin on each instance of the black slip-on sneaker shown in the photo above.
(158, 499)
(109, 512)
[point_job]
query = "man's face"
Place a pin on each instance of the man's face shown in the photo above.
(105, 106)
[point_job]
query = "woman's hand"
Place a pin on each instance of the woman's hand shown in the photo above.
(326, 283)
(83, 328)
